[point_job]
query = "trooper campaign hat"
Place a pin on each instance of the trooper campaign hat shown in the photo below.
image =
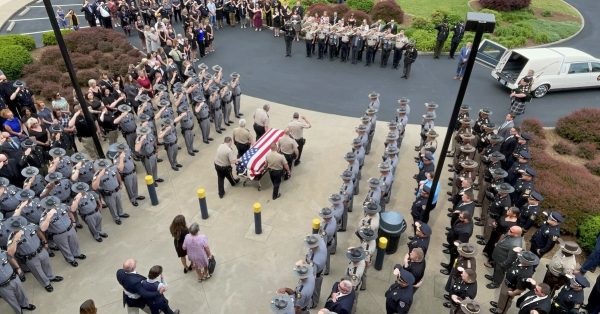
(30, 171)
(80, 187)
(356, 254)
(53, 176)
(57, 152)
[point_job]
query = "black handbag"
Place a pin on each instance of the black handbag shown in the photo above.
(211, 265)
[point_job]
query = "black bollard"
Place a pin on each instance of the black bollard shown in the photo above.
(257, 219)
(151, 190)
(202, 201)
(382, 244)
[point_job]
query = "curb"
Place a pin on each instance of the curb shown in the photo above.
(570, 37)
(27, 3)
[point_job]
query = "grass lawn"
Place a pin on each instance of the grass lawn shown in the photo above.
(423, 8)
(554, 5)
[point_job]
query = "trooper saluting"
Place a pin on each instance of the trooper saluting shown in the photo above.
(410, 55)
(88, 205)
(202, 113)
(11, 289)
(121, 155)
(108, 182)
(289, 37)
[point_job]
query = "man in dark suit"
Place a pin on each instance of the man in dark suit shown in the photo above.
(342, 298)
(504, 127)
(10, 170)
(134, 296)
(536, 299)
(510, 143)
(10, 147)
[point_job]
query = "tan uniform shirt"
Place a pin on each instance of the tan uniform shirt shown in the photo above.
(275, 160)
(296, 128)
(241, 135)
(287, 145)
(562, 264)
(225, 156)
(261, 117)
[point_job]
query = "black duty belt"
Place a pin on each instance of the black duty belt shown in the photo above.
(55, 234)
(109, 193)
(33, 254)
(169, 144)
(124, 174)
(83, 216)
(5, 283)
(202, 119)
(150, 155)
(187, 129)
(127, 133)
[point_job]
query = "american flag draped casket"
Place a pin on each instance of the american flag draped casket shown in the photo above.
(252, 163)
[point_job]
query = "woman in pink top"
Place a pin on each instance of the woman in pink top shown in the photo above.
(198, 251)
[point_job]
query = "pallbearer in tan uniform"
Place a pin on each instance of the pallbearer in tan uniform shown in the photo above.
(296, 127)
(224, 162)
(289, 148)
(242, 138)
(261, 121)
(277, 165)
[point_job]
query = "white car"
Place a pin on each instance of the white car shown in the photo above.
(554, 68)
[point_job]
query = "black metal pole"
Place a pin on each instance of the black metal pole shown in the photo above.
(65, 54)
(459, 99)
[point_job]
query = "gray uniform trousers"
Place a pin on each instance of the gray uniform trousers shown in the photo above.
(130, 139)
(14, 295)
(113, 202)
(330, 251)
(188, 137)
(228, 108)
(236, 105)
(205, 129)
(171, 153)
(40, 267)
(218, 119)
(151, 166)
(68, 244)
(504, 300)
(131, 185)
(317, 291)
(94, 223)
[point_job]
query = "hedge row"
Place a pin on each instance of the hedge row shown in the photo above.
(505, 5)
(385, 10)
(48, 38)
(581, 126)
(12, 60)
(567, 188)
(25, 41)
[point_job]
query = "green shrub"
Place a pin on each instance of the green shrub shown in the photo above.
(582, 125)
(541, 38)
(24, 41)
(593, 167)
(586, 151)
(12, 60)
(421, 23)
(386, 11)
(48, 38)
(361, 5)
(438, 16)
(588, 233)
(562, 149)
(547, 13)
(424, 39)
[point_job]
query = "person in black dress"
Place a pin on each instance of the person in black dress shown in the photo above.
(179, 230)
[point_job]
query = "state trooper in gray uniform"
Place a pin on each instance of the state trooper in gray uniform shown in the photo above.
(202, 113)
(34, 181)
(107, 182)
(88, 205)
(374, 194)
(145, 147)
(60, 162)
(347, 192)
(7, 227)
(30, 206)
(57, 221)
(359, 150)
(226, 103)
(214, 102)
(237, 93)
(387, 180)
(372, 124)
(126, 122)
(145, 108)
(354, 168)
(122, 158)
(303, 293)
(58, 186)
(328, 231)
(11, 290)
(168, 135)
(8, 200)
(28, 245)
(282, 304)
(186, 123)
(83, 169)
(338, 210)
(317, 258)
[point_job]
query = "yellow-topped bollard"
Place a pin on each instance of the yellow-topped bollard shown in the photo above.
(316, 225)
(382, 244)
(202, 201)
(151, 190)
(257, 219)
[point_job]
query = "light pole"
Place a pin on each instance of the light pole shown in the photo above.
(480, 23)
(65, 54)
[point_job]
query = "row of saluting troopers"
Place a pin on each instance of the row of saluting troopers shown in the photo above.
(498, 167)
(349, 43)
(315, 265)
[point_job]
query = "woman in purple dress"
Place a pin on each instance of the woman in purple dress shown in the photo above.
(198, 251)
(257, 18)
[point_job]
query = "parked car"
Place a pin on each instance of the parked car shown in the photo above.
(555, 68)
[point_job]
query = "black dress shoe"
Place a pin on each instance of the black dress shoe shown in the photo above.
(139, 198)
(78, 226)
(494, 310)
(57, 279)
(445, 272)
(446, 251)
(236, 181)
(206, 142)
(211, 139)
(160, 180)
(492, 286)
(81, 256)
(118, 221)
(103, 234)
(159, 160)
(480, 237)
(447, 304)
(447, 297)
(481, 242)
(221, 196)
(220, 132)
(22, 276)
(175, 168)
(446, 245)
(135, 203)
(489, 277)
(191, 154)
(445, 265)
(450, 210)
(478, 223)
(278, 196)
(223, 129)
(411, 238)
(450, 183)
(124, 215)
(178, 165)
(450, 214)
(74, 263)
(195, 151)
(30, 307)
(448, 228)
(241, 114)
(494, 303)
(449, 193)
(50, 253)
(98, 239)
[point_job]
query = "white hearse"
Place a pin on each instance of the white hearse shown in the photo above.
(555, 68)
